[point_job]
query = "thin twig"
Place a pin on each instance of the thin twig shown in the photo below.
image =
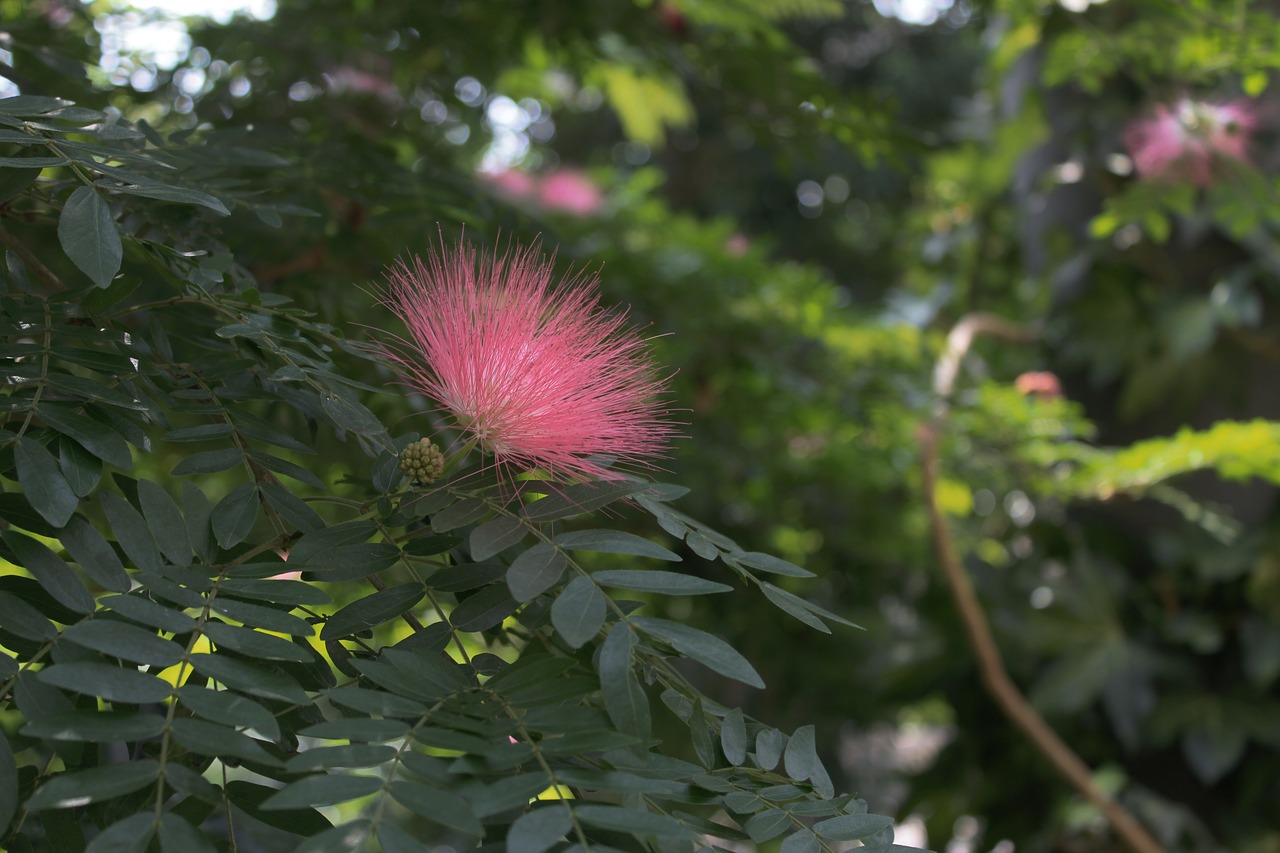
(990, 663)
(20, 249)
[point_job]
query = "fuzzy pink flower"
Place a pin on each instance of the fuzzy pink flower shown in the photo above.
(512, 183)
(570, 191)
(1189, 138)
(1039, 383)
(535, 370)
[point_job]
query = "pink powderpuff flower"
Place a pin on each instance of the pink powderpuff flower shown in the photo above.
(1189, 138)
(570, 191)
(536, 371)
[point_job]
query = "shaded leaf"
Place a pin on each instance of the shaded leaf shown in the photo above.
(663, 583)
(50, 571)
(440, 807)
(113, 683)
(614, 542)
(322, 790)
(495, 536)
(94, 555)
(89, 236)
(233, 517)
(710, 651)
(43, 483)
(372, 610)
(853, 827)
(538, 830)
(68, 790)
(122, 640)
(535, 571)
(733, 737)
(165, 521)
(578, 612)
(624, 699)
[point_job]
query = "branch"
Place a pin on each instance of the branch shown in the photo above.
(20, 249)
(990, 664)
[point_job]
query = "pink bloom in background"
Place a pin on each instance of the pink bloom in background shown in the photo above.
(1040, 383)
(536, 371)
(512, 182)
(570, 191)
(1188, 138)
(737, 245)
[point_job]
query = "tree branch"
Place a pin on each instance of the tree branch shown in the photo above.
(990, 663)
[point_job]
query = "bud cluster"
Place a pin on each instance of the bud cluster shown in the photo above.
(422, 461)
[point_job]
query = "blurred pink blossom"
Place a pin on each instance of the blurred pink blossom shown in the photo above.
(570, 191)
(1039, 383)
(512, 182)
(1188, 138)
(535, 370)
(737, 245)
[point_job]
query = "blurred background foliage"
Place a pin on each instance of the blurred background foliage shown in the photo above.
(798, 198)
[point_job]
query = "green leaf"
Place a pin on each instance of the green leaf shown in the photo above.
(70, 790)
(97, 438)
(206, 738)
(131, 533)
(439, 807)
(277, 591)
(262, 616)
(322, 790)
(352, 416)
(164, 192)
(42, 482)
(89, 236)
(496, 535)
(131, 835)
(459, 514)
(485, 609)
(396, 840)
(178, 836)
(580, 498)
(203, 432)
(255, 644)
(197, 512)
(710, 651)
(578, 612)
(292, 508)
(769, 563)
(372, 610)
(800, 757)
(19, 617)
(50, 571)
(225, 706)
(122, 640)
(82, 469)
(853, 827)
(165, 521)
(378, 702)
(347, 755)
(662, 583)
(8, 784)
(614, 542)
(139, 608)
(208, 462)
(535, 571)
(624, 699)
(700, 734)
(633, 820)
(801, 841)
(233, 517)
(733, 737)
(346, 836)
(767, 825)
(95, 726)
(360, 730)
(769, 744)
(113, 683)
(538, 830)
(251, 679)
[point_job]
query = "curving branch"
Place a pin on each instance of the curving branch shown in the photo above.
(990, 663)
